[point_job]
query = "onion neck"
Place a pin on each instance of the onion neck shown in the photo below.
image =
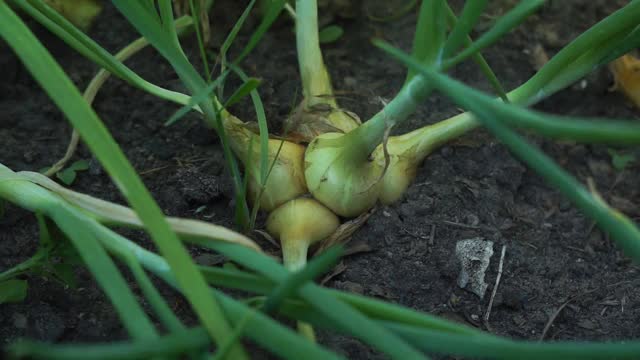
(369, 135)
(299, 223)
(239, 135)
(294, 252)
(419, 143)
(316, 83)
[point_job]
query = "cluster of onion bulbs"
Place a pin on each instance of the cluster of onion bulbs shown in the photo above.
(316, 180)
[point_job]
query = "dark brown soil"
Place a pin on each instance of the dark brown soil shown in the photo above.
(470, 188)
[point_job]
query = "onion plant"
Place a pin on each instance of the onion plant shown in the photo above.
(328, 166)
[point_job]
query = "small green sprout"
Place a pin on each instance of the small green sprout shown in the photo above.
(68, 175)
(621, 160)
(330, 33)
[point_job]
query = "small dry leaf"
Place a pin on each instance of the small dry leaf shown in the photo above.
(344, 231)
(337, 270)
(539, 56)
(357, 249)
(305, 124)
(267, 237)
(625, 205)
(183, 7)
(626, 76)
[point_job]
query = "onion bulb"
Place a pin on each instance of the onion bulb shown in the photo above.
(345, 181)
(286, 179)
(80, 13)
(406, 153)
(299, 223)
(400, 172)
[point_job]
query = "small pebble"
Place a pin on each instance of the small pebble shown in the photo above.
(446, 151)
(29, 156)
(19, 321)
(351, 287)
(350, 82)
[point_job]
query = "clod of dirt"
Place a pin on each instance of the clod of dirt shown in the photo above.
(19, 321)
(209, 259)
(474, 256)
(198, 188)
(46, 323)
(350, 286)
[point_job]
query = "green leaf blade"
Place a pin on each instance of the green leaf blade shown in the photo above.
(504, 24)
(245, 89)
(330, 34)
(429, 35)
(471, 13)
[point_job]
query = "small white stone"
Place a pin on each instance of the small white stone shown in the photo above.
(583, 84)
(473, 256)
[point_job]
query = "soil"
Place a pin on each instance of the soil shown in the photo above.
(557, 265)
